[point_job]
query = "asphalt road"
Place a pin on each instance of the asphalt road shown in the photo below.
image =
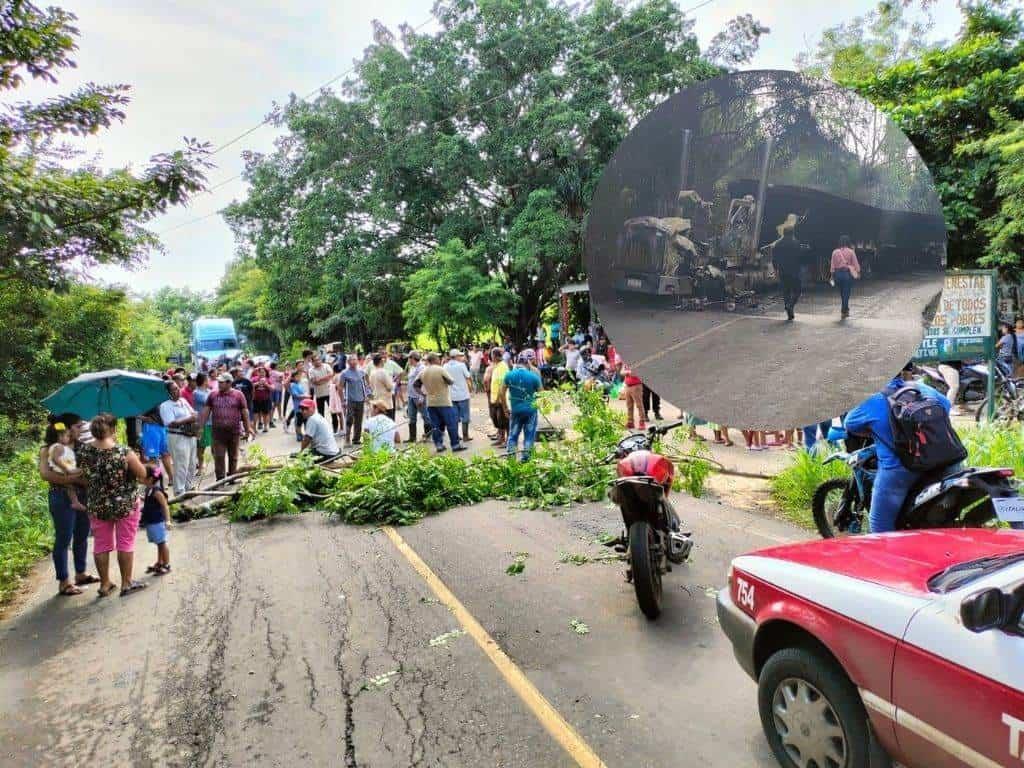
(307, 642)
(754, 369)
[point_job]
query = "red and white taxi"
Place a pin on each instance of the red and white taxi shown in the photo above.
(902, 646)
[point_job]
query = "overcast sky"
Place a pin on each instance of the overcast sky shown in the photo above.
(213, 70)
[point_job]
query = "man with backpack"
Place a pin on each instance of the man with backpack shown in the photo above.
(910, 424)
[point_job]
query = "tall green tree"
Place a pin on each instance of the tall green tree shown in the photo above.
(445, 135)
(242, 296)
(452, 298)
(961, 104)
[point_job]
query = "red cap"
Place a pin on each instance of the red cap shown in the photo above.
(307, 403)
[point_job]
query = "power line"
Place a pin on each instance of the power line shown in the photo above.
(436, 123)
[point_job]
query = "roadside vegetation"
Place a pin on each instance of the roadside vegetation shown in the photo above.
(26, 531)
(996, 445)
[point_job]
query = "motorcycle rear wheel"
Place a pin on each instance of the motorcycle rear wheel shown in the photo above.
(824, 511)
(644, 567)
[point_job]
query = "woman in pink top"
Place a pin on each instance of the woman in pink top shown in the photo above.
(845, 269)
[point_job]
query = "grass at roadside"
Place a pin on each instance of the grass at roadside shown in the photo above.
(793, 487)
(26, 531)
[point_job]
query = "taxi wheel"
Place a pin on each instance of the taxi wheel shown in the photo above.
(812, 714)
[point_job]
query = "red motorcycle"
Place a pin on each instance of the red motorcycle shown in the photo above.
(652, 539)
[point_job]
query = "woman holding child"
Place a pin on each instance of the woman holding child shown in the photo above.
(70, 520)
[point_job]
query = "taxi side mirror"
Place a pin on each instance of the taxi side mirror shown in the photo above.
(984, 610)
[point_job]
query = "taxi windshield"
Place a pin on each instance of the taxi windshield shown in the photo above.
(960, 574)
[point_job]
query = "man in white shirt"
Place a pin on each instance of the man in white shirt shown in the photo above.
(461, 389)
(380, 429)
(179, 417)
(476, 358)
(572, 356)
(320, 377)
(382, 383)
(317, 434)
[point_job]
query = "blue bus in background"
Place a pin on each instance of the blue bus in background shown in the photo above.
(215, 340)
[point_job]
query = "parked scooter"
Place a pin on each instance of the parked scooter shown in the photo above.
(953, 497)
(974, 390)
(652, 539)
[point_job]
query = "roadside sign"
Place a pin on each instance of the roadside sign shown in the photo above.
(964, 322)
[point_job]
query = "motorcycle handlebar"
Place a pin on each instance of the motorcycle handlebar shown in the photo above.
(666, 428)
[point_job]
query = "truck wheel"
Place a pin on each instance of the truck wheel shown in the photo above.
(812, 714)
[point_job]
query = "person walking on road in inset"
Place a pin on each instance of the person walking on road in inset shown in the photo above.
(437, 389)
(180, 419)
(228, 412)
(461, 389)
(786, 258)
(356, 387)
(518, 394)
(845, 268)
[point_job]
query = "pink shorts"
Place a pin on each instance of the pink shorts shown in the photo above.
(109, 535)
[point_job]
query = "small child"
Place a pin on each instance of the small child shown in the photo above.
(61, 458)
(155, 517)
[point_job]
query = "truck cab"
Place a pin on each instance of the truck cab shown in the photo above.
(214, 339)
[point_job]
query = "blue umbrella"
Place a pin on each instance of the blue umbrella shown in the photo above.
(122, 393)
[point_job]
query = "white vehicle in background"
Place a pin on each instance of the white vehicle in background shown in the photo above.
(214, 340)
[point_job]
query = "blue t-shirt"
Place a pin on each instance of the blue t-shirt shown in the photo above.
(523, 386)
(872, 416)
(154, 440)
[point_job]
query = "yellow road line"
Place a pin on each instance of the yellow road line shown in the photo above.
(553, 722)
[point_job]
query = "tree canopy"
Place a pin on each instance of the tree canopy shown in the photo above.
(961, 104)
(490, 132)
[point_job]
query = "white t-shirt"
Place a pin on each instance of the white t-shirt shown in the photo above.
(572, 359)
(320, 435)
(381, 430)
(322, 389)
(460, 386)
(175, 410)
(475, 357)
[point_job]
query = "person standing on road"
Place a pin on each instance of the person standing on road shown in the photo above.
(228, 413)
(337, 400)
(518, 395)
(320, 375)
(786, 257)
(242, 383)
(180, 419)
(436, 387)
(382, 383)
(356, 387)
(204, 432)
(70, 526)
(112, 474)
(276, 394)
(461, 390)
(634, 388)
(416, 403)
(845, 269)
(476, 359)
(494, 378)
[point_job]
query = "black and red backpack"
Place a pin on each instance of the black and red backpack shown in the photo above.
(923, 435)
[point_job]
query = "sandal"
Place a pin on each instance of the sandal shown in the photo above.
(162, 569)
(107, 593)
(70, 589)
(153, 568)
(87, 579)
(134, 586)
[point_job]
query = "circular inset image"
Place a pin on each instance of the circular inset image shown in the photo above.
(765, 249)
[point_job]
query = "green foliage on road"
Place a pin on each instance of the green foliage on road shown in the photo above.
(26, 530)
(280, 492)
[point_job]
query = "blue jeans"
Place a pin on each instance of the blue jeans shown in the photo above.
(442, 417)
(887, 497)
(416, 409)
(461, 410)
(71, 528)
(525, 422)
(844, 281)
